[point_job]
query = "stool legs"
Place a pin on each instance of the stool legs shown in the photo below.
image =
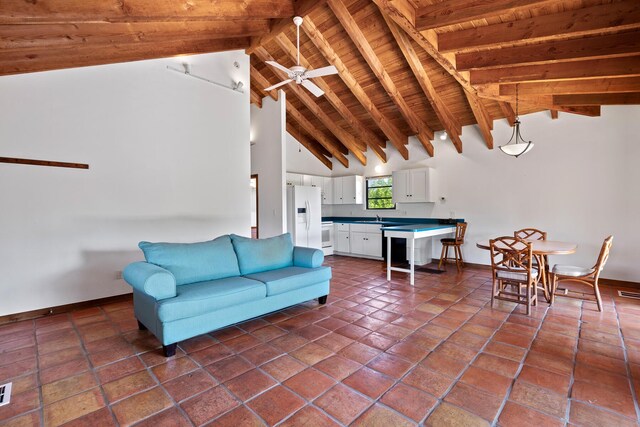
(457, 256)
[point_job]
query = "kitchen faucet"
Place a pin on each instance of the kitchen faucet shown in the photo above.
(378, 218)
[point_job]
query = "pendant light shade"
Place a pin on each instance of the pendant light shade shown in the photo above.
(516, 146)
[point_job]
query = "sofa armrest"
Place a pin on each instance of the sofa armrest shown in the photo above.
(151, 280)
(307, 257)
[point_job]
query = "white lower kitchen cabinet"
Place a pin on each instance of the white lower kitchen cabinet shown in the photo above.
(342, 243)
(364, 240)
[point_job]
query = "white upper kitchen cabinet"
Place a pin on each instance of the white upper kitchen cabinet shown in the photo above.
(294, 178)
(347, 190)
(327, 190)
(413, 186)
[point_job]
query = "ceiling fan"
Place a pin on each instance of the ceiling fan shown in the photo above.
(300, 74)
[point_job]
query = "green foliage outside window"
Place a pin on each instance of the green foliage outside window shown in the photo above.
(380, 193)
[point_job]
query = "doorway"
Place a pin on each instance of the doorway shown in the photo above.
(254, 207)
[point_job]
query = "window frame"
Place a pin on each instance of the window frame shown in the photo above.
(366, 189)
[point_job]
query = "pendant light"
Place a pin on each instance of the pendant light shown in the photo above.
(519, 146)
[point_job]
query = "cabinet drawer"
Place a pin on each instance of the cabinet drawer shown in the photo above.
(375, 228)
(359, 228)
(341, 226)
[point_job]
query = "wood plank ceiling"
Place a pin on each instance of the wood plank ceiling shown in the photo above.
(406, 67)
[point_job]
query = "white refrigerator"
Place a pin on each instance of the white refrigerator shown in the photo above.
(304, 217)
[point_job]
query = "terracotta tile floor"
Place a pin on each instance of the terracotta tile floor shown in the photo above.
(379, 353)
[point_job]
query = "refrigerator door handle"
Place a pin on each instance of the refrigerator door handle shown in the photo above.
(308, 213)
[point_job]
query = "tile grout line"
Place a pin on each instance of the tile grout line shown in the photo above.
(626, 361)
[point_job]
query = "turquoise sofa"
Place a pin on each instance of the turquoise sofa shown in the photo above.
(188, 289)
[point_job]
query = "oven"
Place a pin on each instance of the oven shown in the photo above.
(327, 237)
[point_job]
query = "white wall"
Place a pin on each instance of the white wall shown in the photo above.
(579, 183)
(169, 161)
(300, 160)
(268, 159)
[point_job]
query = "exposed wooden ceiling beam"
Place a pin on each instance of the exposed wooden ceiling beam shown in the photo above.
(401, 13)
(565, 87)
(423, 132)
(482, 118)
(342, 135)
(302, 8)
(308, 144)
(554, 114)
(608, 46)
(591, 111)
(579, 22)
(613, 67)
(255, 98)
(371, 139)
(55, 11)
(449, 122)
(16, 61)
(99, 34)
(396, 137)
(449, 12)
(508, 112)
(597, 99)
(262, 82)
(316, 133)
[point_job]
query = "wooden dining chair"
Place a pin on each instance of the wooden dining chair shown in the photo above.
(587, 276)
(530, 234)
(456, 243)
(534, 234)
(513, 271)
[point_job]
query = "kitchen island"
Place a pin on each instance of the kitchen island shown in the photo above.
(412, 232)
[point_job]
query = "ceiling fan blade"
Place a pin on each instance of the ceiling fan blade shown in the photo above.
(313, 88)
(267, 89)
(319, 72)
(280, 67)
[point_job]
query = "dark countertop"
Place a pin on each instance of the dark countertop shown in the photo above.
(394, 221)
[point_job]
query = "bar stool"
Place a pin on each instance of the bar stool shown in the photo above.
(461, 228)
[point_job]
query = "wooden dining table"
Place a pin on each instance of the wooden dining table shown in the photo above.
(540, 248)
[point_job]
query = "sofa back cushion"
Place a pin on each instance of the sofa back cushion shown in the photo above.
(257, 255)
(194, 262)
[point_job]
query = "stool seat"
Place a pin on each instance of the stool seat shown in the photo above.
(448, 240)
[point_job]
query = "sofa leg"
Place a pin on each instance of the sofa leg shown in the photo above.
(169, 350)
(323, 299)
(141, 326)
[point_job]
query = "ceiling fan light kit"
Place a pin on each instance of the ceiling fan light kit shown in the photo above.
(299, 74)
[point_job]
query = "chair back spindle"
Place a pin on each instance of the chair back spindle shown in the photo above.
(461, 228)
(530, 234)
(604, 255)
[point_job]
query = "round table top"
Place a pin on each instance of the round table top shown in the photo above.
(542, 247)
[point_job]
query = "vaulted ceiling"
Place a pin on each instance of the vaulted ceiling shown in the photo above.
(406, 67)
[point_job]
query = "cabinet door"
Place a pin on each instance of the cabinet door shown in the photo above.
(327, 191)
(418, 186)
(349, 189)
(358, 242)
(337, 191)
(294, 179)
(316, 181)
(306, 180)
(400, 187)
(373, 244)
(342, 242)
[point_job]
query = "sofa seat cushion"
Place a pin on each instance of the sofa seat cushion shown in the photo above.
(204, 297)
(194, 262)
(290, 278)
(258, 255)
